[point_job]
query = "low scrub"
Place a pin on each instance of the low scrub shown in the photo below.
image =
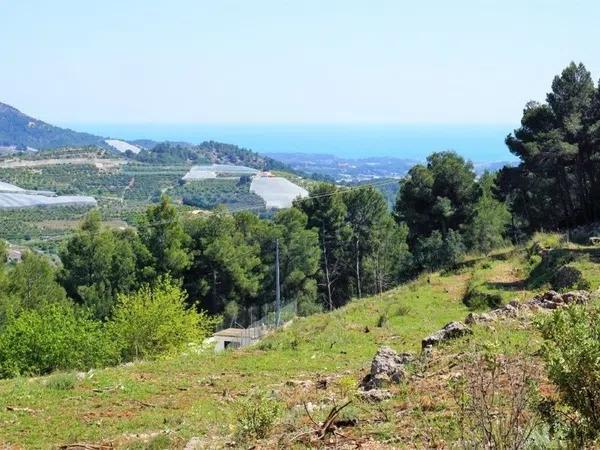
(572, 353)
(257, 415)
(497, 402)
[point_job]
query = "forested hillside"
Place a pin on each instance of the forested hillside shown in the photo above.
(24, 131)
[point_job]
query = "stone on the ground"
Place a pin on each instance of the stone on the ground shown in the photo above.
(375, 395)
(479, 318)
(387, 367)
(452, 330)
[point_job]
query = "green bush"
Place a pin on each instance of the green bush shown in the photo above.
(62, 382)
(55, 336)
(479, 297)
(257, 415)
(571, 350)
(155, 320)
(567, 277)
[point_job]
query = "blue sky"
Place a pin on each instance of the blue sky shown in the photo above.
(277, 61)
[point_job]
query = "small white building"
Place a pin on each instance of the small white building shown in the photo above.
(230, 338)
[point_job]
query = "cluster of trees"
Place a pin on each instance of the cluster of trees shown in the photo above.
(448, 211)
(338, 243)
(557, 183)
(205, 153)
(43, 329)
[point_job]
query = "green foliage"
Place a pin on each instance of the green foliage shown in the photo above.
(3, 252)
(326, 212)
(299, 260)
(491, 218)
(437, 197)
(226, 267)
(256, 415)
(556, 183)
(572, 353)
(53, 337)
(208, 194)
(207, 152)
(62, 381)
(437, 252)
(163, 235)
(155, 321)
(562, 269)
(100, 263)
(33, 282)
(568, 277)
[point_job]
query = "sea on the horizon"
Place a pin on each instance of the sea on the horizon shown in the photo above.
(480, 142)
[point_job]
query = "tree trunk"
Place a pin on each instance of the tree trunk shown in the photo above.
(328, 281)
(358, 286)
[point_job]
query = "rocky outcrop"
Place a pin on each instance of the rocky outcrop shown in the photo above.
(452, 330)
(547, 301)
(387, 367)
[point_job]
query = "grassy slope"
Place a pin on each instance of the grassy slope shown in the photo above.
(195, 394)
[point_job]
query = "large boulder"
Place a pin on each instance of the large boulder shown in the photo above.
(452, 330)
(387, 367)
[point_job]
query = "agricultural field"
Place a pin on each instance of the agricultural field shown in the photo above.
(277, 192)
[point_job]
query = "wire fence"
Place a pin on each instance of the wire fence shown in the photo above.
(256, 320)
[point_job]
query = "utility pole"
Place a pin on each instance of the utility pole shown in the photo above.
(358, 269)
(277, 287)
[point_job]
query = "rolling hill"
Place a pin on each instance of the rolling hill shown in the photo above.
(20, 130)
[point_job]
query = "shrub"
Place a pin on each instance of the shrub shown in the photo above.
(548, 240)
(496, 398)
(62, 382)
(479, 297)
(571, 350)
(568, 277)
(257, 415)
(55, 336)
(383, 320)
(155, 320)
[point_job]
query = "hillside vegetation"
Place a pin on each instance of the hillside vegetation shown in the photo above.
(318, 360)
(24, 131)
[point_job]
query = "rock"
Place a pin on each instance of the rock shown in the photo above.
(515, 304)
(452, 330)
(193, 443)
(479, 318)
(304, 384)
(507, 311)
(577, 297)
(387, 367)
(375, 395)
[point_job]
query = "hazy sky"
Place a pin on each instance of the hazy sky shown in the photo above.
(192, 61)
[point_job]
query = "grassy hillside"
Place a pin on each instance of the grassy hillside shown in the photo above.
(319, 359)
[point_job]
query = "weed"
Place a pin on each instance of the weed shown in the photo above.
(257, 415)
(62, 382)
